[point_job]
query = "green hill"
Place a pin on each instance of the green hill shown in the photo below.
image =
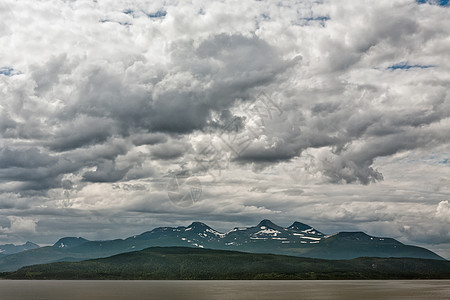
(195, 263)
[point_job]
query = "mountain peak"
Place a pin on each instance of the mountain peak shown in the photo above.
(362, 236)
(299, 226)
(267, 223)
(31, 244)
(198, 226)
(68, 242)
(11, 248)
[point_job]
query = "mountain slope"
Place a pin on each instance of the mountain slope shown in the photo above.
(195, 263)
(69, 242)
(348, 245)
(8, 249)
(297, 240)
(41, 255)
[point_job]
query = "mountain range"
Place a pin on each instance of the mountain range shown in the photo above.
(8, 249)
(296, 240)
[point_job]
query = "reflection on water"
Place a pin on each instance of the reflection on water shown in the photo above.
(333, 289)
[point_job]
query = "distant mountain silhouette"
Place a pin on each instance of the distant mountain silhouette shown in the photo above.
(299, 239)
(8, 249)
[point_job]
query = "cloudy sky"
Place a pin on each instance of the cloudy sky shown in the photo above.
(120, 116)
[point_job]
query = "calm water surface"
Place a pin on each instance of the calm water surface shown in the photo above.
(335, 289)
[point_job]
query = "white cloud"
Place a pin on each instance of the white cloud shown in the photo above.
(443, 211)
(20, 225)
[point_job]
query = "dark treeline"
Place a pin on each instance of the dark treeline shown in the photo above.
(190, 263)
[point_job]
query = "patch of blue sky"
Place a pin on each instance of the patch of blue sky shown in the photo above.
(431, 159)
(265, 16)
(434, 2)
(407, 66)
(316, 20)
(8, 71)
(159, 14)
(112, 21)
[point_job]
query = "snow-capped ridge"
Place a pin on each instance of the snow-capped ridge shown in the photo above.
(69, 242)
(296, 240)
(299, 227)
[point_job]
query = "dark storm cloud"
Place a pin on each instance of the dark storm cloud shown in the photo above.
(178, 112)
(31, 169)
(211, 76)
(104, 97)
(231, 65)
(34, 171)
(30, 179)
(348, 170)
(99, 152)
(67, 184)
(354, 164)
(226, 67)
(27, 158)
(168, 151)
(81, 132)
(105, 105)
(149, 139)
(355, 134)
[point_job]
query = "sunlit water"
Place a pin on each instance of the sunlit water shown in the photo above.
(335, 289)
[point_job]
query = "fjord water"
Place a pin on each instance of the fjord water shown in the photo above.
(224, 289)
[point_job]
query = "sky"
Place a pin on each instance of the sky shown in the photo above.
(117, 117)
